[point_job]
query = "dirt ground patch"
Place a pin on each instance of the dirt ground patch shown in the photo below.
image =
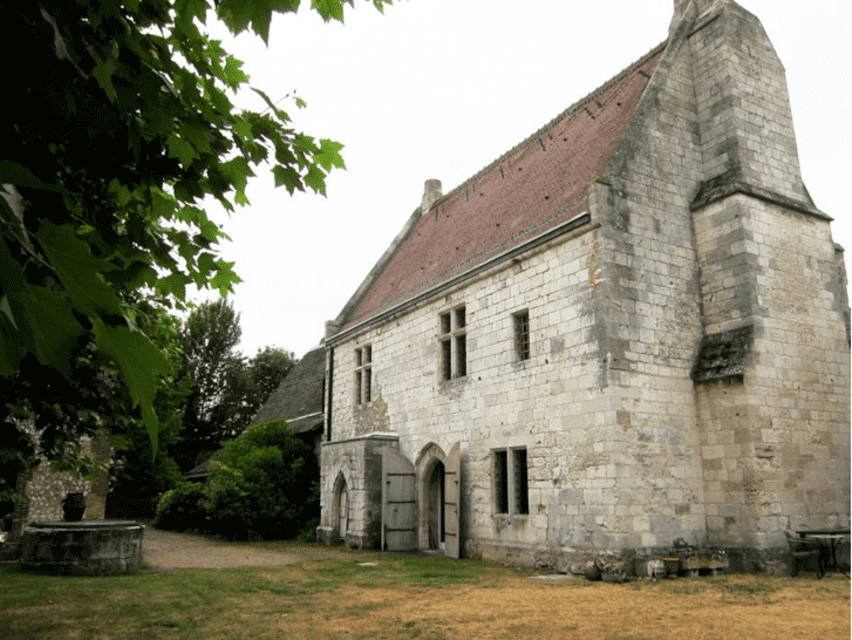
(164, 550)
(339, 593)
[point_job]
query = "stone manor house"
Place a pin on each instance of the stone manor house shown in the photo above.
(628, 333)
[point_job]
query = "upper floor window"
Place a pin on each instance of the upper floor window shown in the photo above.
(522, 335)
(363, 374)
(452, 337)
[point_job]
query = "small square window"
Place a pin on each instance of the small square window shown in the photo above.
(445, 323)
(460, 318)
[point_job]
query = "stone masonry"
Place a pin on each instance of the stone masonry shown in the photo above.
(657, 360)
(44, 491)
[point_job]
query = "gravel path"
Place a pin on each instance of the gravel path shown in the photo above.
(163, 550)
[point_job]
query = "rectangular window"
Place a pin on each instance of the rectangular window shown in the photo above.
(446, 359)
(501, 482)
(461, 356)
(363, 374)
(511, 491)
(446, 326)
(522, 335)
(460, 318)
(521, 493)
(453, 340)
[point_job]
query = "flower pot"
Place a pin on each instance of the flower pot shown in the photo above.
(672, 566)
(74, 506)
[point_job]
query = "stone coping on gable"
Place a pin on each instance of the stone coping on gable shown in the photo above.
(389, 436)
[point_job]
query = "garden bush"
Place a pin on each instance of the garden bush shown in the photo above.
(180, 509)
(263, 484)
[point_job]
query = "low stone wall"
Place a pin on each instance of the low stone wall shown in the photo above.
(88, 547)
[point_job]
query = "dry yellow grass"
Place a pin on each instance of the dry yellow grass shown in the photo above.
(371, 595)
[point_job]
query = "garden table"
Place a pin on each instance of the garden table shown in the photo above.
(828, 539)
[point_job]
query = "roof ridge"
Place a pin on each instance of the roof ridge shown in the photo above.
(562, 114)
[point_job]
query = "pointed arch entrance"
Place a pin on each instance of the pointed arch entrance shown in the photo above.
(435, 523)
(340, 508)
(437, 508)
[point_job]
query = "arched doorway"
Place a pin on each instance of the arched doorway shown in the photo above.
(435, 506)
(341, 509)
(438, 499)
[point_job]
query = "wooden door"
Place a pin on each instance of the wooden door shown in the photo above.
(399, 508)
(452, 503)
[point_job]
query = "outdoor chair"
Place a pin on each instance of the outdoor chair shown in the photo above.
(802, 549)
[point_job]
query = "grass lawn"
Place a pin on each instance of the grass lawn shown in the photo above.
(394, 596)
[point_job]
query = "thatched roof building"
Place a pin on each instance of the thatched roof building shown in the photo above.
(298, 399)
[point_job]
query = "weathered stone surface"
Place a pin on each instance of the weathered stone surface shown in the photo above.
(614, 577)
(592, 572)
(702, 255)
(88, 547)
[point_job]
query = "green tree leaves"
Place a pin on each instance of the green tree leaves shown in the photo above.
(80, 273)
(120, 127)
(35, 319)
(139, 362)
(227, 390)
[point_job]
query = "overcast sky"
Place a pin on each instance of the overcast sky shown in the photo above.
(440, 89)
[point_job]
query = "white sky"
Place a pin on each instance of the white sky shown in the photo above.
(439, 89)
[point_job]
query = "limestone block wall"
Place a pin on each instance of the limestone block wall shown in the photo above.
(353, 465)
(601, 474)
(775, 442)
(541, 404)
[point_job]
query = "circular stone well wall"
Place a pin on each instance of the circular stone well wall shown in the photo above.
(87, 548)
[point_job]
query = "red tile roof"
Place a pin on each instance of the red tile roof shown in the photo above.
(541, 183)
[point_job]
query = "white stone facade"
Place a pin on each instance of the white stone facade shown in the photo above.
(698, 230)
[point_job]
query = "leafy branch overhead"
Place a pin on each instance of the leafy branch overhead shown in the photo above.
(115, 131)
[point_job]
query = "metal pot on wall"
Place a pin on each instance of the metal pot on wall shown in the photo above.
(74, 506)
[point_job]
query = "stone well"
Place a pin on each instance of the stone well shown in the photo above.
(87, 548)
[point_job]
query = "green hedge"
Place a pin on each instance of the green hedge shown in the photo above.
(180, 509)
(264, 484)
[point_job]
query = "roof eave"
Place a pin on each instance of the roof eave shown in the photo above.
(579, 220)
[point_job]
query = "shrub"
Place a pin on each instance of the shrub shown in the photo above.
(180, 509)
(263, 484)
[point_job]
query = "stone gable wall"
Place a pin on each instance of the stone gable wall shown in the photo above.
(775, 439)
(744, 109)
